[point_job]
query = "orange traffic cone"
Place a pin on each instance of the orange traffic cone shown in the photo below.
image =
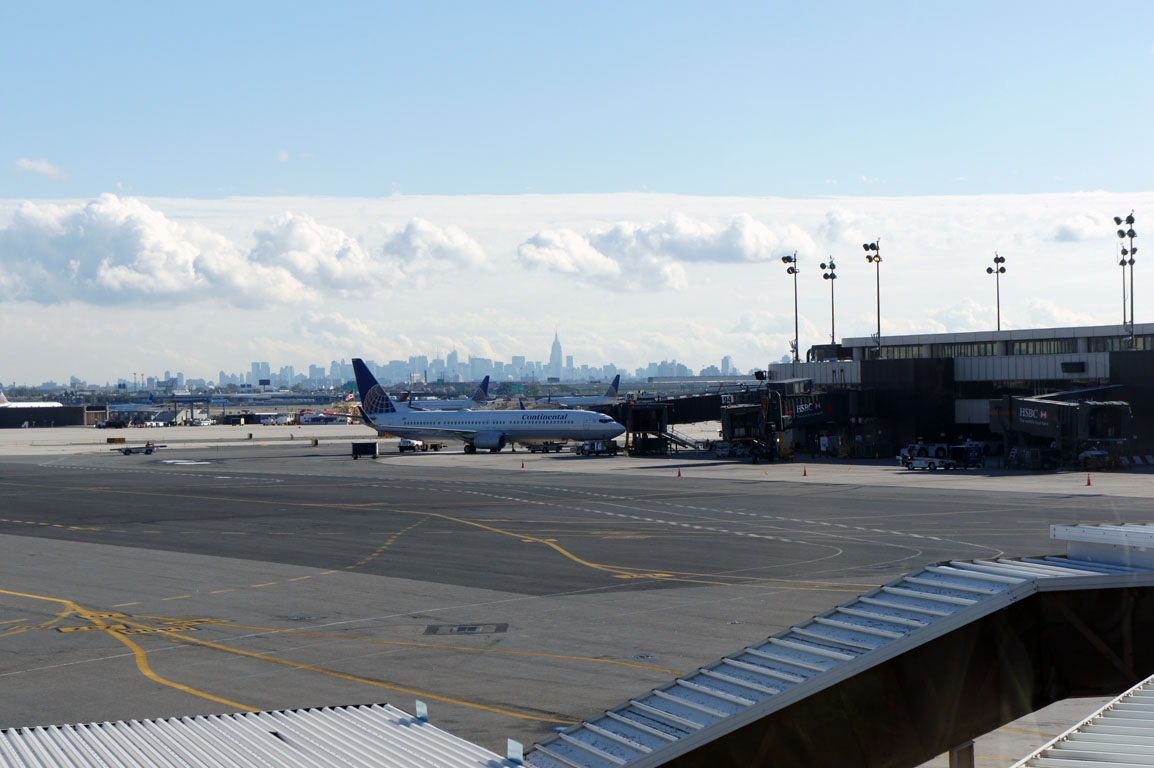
(804, 473)
(522, 465)
(1087, 479)
(679, 471)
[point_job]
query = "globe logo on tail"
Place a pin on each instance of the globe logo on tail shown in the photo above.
(376, 401)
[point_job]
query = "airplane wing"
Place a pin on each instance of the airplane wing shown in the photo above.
(424, 433)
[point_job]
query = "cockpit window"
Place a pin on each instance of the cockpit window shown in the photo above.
(605, 421)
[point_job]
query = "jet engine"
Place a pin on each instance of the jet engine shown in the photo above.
(494, 441)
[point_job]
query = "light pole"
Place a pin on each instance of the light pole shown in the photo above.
(1131, 234)
(792, 270)
(1122, 264)
(874, 256)
(997, 271)
(831, 276)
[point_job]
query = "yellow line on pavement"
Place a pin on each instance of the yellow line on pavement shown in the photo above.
(359, 679)
(94, 617)
(449, 647)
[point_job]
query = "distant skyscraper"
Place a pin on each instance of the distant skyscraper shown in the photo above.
(555, 357)
(727, 366)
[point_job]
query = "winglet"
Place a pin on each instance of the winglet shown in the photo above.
(3, 397)
(374, 399)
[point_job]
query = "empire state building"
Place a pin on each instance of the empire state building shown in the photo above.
(555, 358)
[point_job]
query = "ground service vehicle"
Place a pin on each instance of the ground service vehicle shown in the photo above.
(926, 450)
(959, 457)
(596, 448)
(148, 448)
(407, 444)
(545, 447)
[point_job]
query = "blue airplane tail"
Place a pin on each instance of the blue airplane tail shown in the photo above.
(482, 393)
(612, 391)
(374, 399)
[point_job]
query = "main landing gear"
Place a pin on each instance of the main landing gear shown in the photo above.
(470, 448)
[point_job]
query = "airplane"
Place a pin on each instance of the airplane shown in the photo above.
(608, 398)
(6, 403)
(476, 429)
(479, 398)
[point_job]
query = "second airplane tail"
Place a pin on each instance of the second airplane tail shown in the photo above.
(482, 393)
(611, 393)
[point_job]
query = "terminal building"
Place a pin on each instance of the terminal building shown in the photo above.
(1086, 386)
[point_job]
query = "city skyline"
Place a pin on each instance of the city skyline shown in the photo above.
(416, 369)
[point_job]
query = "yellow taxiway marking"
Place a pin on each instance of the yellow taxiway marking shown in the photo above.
(219, 591)
(266, 584)
(299, 578)
(176, 597)
(461, 648)
(124, 605)
(12, 621)
(71, 608)
(364, 680)
(701, 578)
(98, 619)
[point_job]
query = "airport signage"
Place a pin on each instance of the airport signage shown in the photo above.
(1030, 416)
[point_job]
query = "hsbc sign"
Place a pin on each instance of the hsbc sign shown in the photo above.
(1030, 416)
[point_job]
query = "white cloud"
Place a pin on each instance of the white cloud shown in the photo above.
(201, 257)
(637, 257)
(41, 167)
(421, 248)
(1080, 228)
(322, 259)
(116, 250)
(567, 252)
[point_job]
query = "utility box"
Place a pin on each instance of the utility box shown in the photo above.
(367, 450)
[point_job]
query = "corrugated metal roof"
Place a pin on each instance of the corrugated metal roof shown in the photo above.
(376, 736)
(751, 683)
(1120, 734)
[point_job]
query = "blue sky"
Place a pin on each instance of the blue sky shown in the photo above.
(197, 186)
(212, 99)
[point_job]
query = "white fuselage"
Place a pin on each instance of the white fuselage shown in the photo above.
(576, 401)
(442, 405)
(487, 428)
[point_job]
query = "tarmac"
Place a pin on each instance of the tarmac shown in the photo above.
(514, 593)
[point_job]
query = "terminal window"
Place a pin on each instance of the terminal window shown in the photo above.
(1120, 343)
(1043, 347)
(902, 352)
(967, 349)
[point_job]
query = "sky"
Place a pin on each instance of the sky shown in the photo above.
(193, 187)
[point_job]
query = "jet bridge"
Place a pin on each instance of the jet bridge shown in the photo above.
(904, 673)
